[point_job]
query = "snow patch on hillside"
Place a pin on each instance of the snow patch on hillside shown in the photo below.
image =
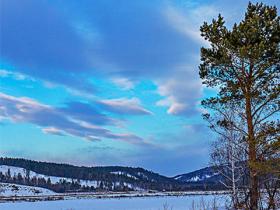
(142, 175)
(121, 173)
(178, 177)
(195, 178)
(14, 171)
(22, 190)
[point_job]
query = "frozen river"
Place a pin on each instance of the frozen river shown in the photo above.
(135, 203)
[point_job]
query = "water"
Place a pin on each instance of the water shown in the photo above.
(146, 203)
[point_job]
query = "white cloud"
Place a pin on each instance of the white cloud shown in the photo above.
(61, 121)
(123, 83)
(14, 75)
(182, 93)
(182, 89)
(183, 24)
(52, 130)
(125, 106)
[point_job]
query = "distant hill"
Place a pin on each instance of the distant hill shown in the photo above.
(205, 175)
(210, 177)
(65, 177)
(70, 178)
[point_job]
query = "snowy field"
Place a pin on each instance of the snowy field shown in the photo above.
(147, 203)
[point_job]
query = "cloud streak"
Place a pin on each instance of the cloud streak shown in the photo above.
(69, 120)
(15, 75)
(124, 106)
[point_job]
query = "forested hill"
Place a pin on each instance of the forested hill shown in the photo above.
(101, 178)
(82, 172)
(204, 175)
(65, 177)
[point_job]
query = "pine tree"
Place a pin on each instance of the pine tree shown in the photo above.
(8, 174)
(244, 63)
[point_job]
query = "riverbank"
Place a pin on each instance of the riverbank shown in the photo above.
(104, 195)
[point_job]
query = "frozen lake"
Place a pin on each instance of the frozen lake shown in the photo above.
(135, 203)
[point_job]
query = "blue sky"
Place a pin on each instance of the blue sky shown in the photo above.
(106, 82)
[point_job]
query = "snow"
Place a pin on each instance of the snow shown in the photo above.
(22, 190)
(194, 179)
(142, 175)
(135, 203)
(13, 170)
(197, 177)
(123, 174)
(54, 179)
(89, 183)
(178, 177)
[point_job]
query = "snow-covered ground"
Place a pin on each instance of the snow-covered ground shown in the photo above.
(147, 203)
(22, 190)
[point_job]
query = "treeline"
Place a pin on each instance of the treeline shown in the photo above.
(107, 177)
(111, 178)
(85, 173)
(62, 185)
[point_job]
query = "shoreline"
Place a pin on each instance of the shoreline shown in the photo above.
(103, 195)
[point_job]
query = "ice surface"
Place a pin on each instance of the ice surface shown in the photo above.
(147, 203)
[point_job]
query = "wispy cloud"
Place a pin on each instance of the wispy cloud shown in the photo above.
(123, 83)
(53, 130)
(15, 75)
(69, 120)
(185, 22)
(127, 106)
(181, 95)
(82, 41)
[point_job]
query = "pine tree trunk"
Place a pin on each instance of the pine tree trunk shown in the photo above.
(252, 157)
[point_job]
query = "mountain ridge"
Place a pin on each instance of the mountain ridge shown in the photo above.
(105, 178)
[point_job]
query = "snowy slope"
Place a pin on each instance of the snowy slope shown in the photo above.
(202, 175)
(22, 190)
(14, 171)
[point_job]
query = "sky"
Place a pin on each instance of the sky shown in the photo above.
(107, 82)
